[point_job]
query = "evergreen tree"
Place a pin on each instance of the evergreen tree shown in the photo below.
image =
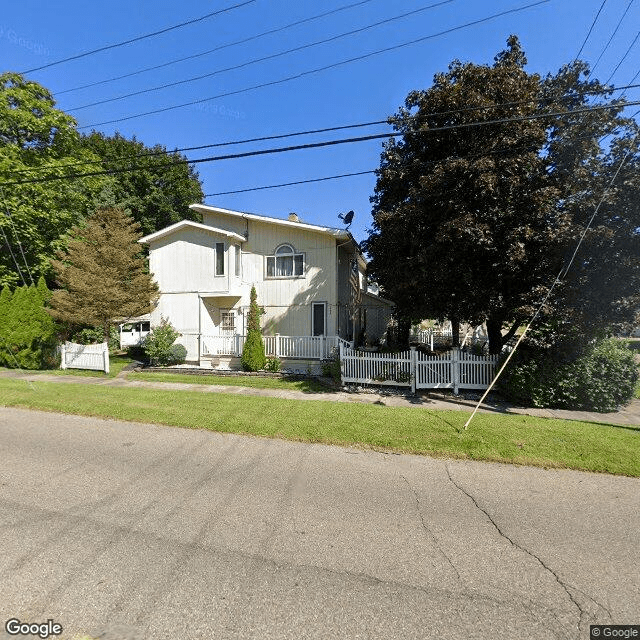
(103, 273)
(253, 358)
(28, 331)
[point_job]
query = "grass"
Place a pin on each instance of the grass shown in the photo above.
(497, 437)
(116, 365)
(310, 386)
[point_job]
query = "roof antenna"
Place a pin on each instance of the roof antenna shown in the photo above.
(347, 218)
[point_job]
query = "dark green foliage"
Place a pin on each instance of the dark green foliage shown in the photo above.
(157, 345)
(177, 354)
(95, 335)
(27, 331)
(159, 193)
(273, 365)
(331, 369)
(253, 358)
(474, 223)
(602, 377)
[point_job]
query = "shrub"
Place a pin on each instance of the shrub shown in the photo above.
(177, 354)
(28, 332)
(273, 364)
(253, 358)
(95, 335)
(157, 344)
(600, 378)
(331, 369)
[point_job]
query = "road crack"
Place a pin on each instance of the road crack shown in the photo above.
(581, 612)
(427, 530)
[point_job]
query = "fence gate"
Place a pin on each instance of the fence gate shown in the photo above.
(85, 356)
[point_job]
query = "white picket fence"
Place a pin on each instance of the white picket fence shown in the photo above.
(308, 347)
(452, 370)
(85, 356)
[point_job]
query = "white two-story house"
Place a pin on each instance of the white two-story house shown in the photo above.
(310, 281)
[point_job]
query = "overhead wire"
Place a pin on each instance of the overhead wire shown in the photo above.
(272, 56)
(606, 46)
(624, 57)
(116, 45)
(327, 143)
(593, 24)
(309, 72)
(167, 152)
(218, 48)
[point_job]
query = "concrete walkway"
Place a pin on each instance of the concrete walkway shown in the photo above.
(629, 415)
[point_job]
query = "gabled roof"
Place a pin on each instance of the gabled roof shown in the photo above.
(332, 231)
(189, 224)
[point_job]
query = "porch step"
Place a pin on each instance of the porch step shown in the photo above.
(223, 363)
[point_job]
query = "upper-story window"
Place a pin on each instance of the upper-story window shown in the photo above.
(285, 263)
(219, 258)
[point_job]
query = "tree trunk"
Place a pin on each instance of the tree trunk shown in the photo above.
(494, 333)
(404, 329)
(455, 332)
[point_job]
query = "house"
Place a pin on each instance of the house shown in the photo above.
(310, 281)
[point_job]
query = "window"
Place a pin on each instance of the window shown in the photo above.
(228, 322)
(286, 263)
(219, 258)
(238, 254)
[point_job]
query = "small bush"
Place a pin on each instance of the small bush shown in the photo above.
(273, 365)
(331, 369)
(177, 354)
(601, 378)
(157, 344)
(95, 335)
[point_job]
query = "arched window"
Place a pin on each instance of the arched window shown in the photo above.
(285, 263)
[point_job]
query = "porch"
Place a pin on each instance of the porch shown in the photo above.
(275, 346)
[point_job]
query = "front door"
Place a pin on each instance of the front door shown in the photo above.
(318, 318)
(227, 322)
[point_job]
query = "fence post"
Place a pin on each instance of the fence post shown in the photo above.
(455, 369)
(431, 340)
(341, 357)
(276, 348)
(63, 354)
(322, 339)
(105, 357)
(413, 369)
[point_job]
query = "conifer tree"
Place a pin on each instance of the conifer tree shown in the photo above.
(102, 273)
(28, 331)
(253, 358)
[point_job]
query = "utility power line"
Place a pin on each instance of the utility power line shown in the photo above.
(272, 56)
(624, 57)
(138, 38)
(606, 46)
(334, 65)
(593, 24)
(168, 152)
(218, 48)
(328, 143)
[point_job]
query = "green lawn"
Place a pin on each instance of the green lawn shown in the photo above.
(256, 382)
(496, 437)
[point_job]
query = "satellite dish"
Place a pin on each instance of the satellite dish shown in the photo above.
(347, 218)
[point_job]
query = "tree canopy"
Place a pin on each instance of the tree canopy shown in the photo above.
(102, 273)
(38, 141)
(480, 202)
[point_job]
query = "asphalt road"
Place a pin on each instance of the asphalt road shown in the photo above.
(124, 530)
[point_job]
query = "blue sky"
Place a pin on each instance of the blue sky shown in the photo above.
(33, 34)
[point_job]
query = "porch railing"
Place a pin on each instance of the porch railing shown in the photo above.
(308, 347)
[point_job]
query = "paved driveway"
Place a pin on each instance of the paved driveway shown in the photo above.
(125, 530)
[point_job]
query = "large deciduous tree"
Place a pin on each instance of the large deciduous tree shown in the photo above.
(158, 193)
(478, 204)
(37, 140)
(102, 273)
